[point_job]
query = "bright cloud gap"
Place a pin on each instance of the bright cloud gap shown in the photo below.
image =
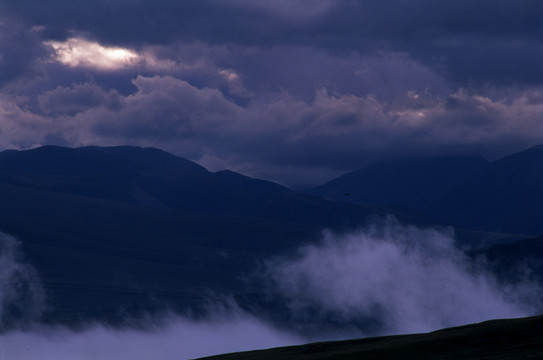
(78, 52)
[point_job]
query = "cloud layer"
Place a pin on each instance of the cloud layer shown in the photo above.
(392, 279)
(269, 137)
(226, 328)
(295, 92)
(385, 279)
(173, 339)
(22, 297)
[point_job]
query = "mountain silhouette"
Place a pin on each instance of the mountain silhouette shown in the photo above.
(124, 230)
(503, 196)
(412, 183)
(115, 230)
(516, 261)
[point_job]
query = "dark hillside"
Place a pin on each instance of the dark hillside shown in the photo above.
(410, 183)
(491, 340)
(526, 256)
(506, 196)
(129, 229)
(116, 231)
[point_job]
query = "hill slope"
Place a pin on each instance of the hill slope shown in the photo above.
(411, 183)
(526, 256)
(503, 196)
(491, 340)
(125, 229)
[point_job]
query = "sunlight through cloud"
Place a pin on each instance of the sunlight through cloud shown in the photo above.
(76, 52)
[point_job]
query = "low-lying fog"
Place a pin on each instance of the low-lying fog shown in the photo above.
(402, 278)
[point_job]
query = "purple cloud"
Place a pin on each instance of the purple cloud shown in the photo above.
(398, 279)
(315, 88)
(329, 133)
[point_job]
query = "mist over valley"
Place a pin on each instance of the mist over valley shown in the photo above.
(120, 245)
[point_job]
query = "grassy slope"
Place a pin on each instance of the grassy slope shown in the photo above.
(497, 339)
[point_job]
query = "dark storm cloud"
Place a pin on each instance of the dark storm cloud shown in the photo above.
(458, 35)
(19, 48)
(77, 98)
(239, 21)
(162, 21)
(469, 42)
(275, 89)
(278, 137)
(473, 42)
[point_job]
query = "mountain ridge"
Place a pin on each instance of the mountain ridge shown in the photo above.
(118, 217)
(505, 195)
(380, 181)
(204, 231)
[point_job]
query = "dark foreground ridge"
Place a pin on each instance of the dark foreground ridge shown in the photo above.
(496, 339)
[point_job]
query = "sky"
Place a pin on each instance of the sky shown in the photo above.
(297, 92)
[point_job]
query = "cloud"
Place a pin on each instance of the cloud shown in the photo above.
(389, 19)
(462, 38)
(78, 98)
(79, 52)
(22, 297)
(225, 328)
(19, 50)
(314, 88)
(168, 339)
(385, 279)
(277, 136)
(273, 89)
(391, 279)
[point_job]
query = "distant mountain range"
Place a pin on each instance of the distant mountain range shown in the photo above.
(132, 228)
(505, 195)
(122, 230)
